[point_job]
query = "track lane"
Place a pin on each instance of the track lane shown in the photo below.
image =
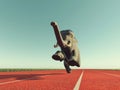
(77, 86)
(60, 80)
(44, 80)
(97, 80)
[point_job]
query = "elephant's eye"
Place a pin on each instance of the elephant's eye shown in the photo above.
(68, 42)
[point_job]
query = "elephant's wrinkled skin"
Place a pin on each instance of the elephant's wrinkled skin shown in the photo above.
(69, 50)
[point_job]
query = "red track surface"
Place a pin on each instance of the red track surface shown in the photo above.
(100, 80)
(60, 80)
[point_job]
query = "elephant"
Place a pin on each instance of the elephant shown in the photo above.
(69, 48)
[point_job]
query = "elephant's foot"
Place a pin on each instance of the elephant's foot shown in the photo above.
(73, 63)
(68, 70)
(67, 67)
(58, 56)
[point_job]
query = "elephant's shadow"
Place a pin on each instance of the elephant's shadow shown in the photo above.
(28, 76)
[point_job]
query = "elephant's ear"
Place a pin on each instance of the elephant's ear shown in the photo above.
(71, 34)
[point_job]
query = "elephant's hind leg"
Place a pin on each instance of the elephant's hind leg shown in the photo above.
(58, 56)
(67, 67)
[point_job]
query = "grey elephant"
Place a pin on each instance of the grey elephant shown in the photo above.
(69, 48)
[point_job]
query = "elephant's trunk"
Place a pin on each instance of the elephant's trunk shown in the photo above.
(58, 35)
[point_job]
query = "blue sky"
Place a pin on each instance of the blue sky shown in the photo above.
(27, 39)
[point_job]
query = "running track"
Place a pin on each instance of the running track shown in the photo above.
(60, 80)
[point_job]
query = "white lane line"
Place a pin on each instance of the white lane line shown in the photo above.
(15, 81)
(115, 75)
(2, 83)
(77, 86)
(10, 82)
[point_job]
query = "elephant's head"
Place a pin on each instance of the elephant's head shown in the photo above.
(68, 37)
